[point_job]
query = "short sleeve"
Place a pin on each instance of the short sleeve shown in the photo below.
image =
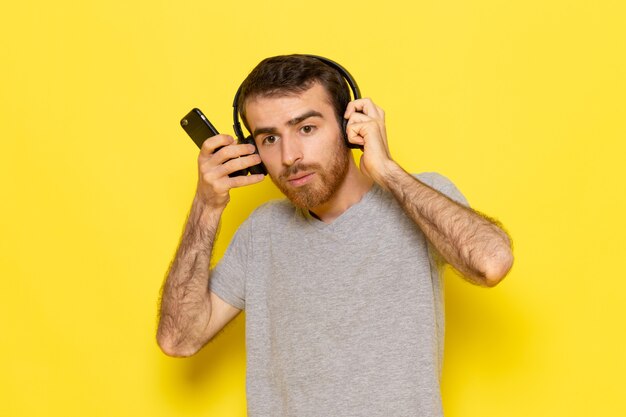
(443, 185)
(228, 278)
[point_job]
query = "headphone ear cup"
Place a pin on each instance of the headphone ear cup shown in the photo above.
(256, 169)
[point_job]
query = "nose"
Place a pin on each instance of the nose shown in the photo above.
(291, 150)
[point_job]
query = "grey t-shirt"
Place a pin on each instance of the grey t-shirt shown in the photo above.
(342, 319)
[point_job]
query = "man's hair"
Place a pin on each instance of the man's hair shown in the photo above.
(293, 74)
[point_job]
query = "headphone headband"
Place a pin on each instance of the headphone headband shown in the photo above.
(356, 93)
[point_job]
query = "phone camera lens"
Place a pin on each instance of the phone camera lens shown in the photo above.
(184, 122)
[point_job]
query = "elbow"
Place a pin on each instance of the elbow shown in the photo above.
(498, 268)
(175, 349)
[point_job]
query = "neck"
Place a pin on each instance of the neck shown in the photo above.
(350, 192)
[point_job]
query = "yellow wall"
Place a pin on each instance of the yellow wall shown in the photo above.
(522, 104)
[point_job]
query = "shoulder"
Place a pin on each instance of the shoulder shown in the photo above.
(258, 224)
(433, 179)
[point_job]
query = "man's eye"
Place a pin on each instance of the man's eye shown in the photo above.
(269, 140)
(307, 129)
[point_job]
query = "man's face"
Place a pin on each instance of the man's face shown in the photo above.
(300, 143)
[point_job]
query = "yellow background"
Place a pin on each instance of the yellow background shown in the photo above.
(522, 104)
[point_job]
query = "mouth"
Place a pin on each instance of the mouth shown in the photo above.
(300, 179)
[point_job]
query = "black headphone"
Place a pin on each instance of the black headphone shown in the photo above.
(241, 138)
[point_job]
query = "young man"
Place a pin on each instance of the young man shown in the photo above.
(341, 281)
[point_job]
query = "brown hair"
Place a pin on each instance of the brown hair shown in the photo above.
(292, 74)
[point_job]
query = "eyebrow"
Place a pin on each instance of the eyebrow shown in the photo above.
(292, 122)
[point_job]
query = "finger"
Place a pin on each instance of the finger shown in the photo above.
(363, 105)
(242, 181)
(211, 144)
(369, 123)
(239, 163)
(223, 155)
(361, 132)
(232, 151)
(355, 134)
(357, 117)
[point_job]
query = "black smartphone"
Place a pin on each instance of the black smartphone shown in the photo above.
(199, 129)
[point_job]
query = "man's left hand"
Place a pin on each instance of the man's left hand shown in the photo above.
(366, 127)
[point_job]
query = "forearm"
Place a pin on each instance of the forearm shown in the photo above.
(185, 308)
(470, 242)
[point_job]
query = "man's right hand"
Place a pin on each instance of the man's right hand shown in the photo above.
(214, 183)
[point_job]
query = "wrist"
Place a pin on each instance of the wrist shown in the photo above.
(204, 212)
(389, 174)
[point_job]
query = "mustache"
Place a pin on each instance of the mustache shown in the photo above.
(294, 169)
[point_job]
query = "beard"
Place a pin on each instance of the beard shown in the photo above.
(321, 189)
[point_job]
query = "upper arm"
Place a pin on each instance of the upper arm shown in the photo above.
(221, 314)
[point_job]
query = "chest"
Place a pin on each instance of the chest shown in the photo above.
(335, 280)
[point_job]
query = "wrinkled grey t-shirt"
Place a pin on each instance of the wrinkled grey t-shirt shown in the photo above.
(342, 319)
